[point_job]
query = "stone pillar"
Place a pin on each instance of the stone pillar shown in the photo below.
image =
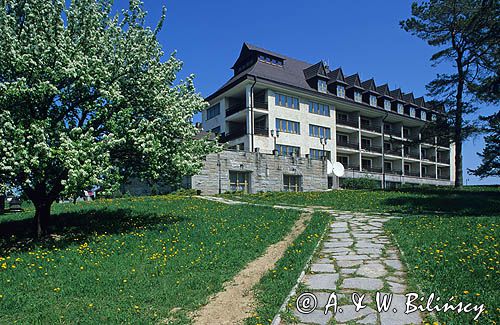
(249, 111)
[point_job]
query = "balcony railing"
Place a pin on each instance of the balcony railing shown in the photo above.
(396, 133)
(261, 131)
(431, 158)
(428, 175)
(233, 135)
(410, 173)
(352, 167)
(235, 109)
(371, 169)
(372, 128)
(411, 155)
(260, 105)
(443, 160)
(347, 144)
(393, 171)
(444, 177)
(371, 148)
(350, 123)
(394, 152)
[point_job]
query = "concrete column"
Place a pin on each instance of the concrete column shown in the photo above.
(333, 114)
(249, 111)
(359, 140)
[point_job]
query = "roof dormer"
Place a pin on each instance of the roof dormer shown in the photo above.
(370, 93)
(317, 76)
(249, 55)
(337, 83)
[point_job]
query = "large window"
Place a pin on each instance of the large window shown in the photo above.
(401, 108)
(387, 104)
(342, 138)
(322, 87)
(292, 183)
(344, 160)
(239, 181)
(287, 126)
(319, 131)
(412, 111)
(366, 164)
(373, 100)
(340, 91)
(213, 111)
(318, 108)
(284, 150)
(286, 101)
(423, 115)
(358, 97)
(319, 154)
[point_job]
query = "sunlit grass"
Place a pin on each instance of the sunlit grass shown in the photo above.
(140, 260)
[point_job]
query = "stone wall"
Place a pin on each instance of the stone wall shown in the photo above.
(266, 172)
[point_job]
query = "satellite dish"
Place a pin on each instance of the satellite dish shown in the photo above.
(338, 169)
(329, 167)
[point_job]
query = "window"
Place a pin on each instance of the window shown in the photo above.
(412, 111)
(387, 146)
(423, 152)
(366, 164)
(387, 104)
(216, 130)
(433, 117)
(213, 111)
(401, 109)
(388, 166)
(322, 88)
(423, 115)
(357, 97)
(387, 128)
(239, 181)
(366, 143)
(373, 100)
(365, 122)
(292, 183)
(342, 138)
(267, 59)
(287, 126)
(284, 150)
(319, 154)
(319, 131)
(424, 171)
(286, 101)
(407, 168)
(342, 117)
(320, 109)
(340, 91)
(406, 133)
(344, 160)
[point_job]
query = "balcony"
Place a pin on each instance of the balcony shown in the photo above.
(372, 128)
(413, 174)
(235, 109)
(350, 123)
(371, 148)
(393, 171)
(261, 131)
(447, 177)
(431, 158)
(225, 137)
(371, 169)
(261, 105)
(394, 152)
(352, 167)
(428, 175)
(347, 144)
(443, 160)
(412, 155)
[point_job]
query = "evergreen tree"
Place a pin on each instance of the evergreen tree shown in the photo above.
(490, 165)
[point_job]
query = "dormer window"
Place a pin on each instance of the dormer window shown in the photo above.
(401, 108)
(357, 97)
(373, 100)
(412, 111)
(387, 104)
(322, 88)
(423, 115)
(270, 60)
(340, 91)
(433, 117)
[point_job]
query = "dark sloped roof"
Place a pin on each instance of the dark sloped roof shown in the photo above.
(369, 85)
(337, 76)
(420, 101)
(384, 90)
(316, 70)
(296, 73)
(409, 98)
(397, 94)
(354, 81)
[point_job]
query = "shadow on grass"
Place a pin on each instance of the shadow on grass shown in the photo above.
(484, 202)
(74, 227)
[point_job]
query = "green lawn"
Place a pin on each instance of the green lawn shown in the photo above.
(449, 238)
(129, 260)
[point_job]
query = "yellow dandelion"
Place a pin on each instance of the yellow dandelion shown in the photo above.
(466, 292)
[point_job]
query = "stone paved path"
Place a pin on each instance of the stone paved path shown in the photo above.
(357, 256)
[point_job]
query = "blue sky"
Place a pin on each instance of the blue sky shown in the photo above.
(358, 35)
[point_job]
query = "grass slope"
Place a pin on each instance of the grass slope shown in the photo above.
(129, 260)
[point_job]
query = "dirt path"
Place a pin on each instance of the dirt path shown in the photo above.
(236, 302)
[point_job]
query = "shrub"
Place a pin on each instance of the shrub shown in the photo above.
(362, 183)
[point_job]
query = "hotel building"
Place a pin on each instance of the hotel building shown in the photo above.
(281, 106)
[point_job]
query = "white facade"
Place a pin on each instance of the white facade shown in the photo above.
(247, 121)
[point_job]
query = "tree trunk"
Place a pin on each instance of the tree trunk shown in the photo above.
(459, 121)
(42, 217)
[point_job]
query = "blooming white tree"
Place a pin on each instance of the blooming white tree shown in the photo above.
(85, 100)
